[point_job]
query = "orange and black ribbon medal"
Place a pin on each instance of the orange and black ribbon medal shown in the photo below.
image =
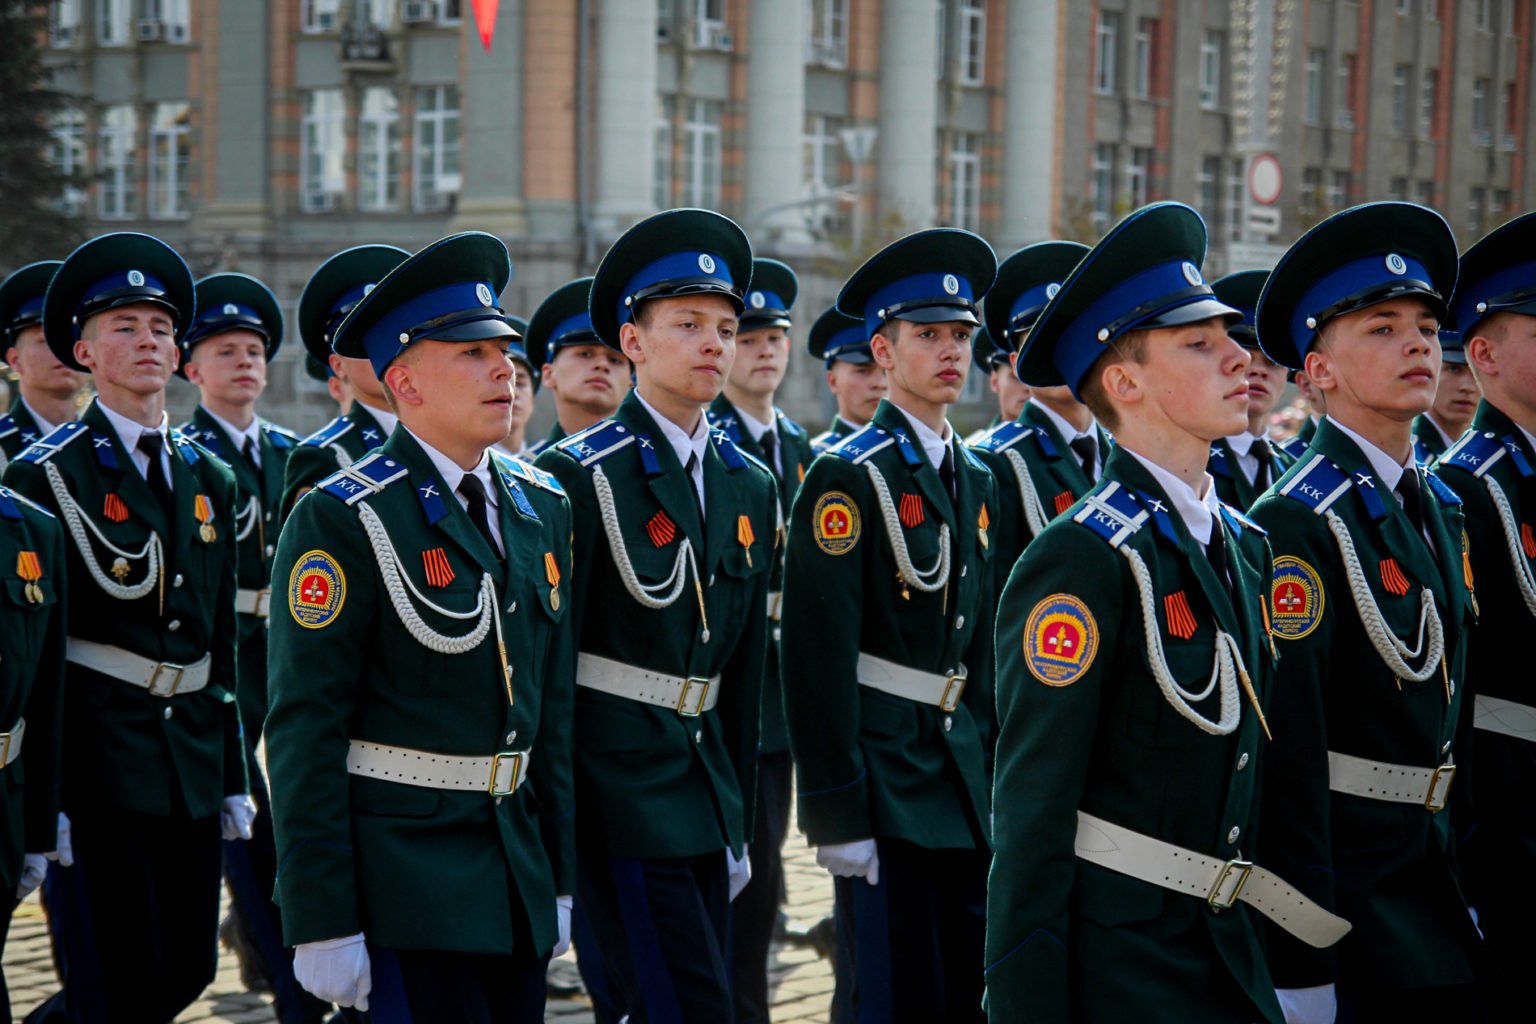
(982, 522)
(115, 509)
(31, 570)
(661, 529)
(1527, 540)
(203, 508)
(1392, 577)
(1181, 618)
(435, 562)
(911, 511)
(552, 574)
(745, 536)
(1064, 501)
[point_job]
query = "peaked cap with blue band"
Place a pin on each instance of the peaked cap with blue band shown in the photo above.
(929, 277)
(1241, 291)
(123, 268)
(1354, 259)
(517, 350)
(21, 298)
(445, 292)
(561, 321)
(985, 352)
(232, 302)
(1144, 274)
(835, 335)
(672, 253)
(333, 289)
(1026, 281)
(1453, 347)
(774, 289)
(1498, 275)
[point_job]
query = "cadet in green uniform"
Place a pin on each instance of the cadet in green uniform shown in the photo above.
(1456, 398)
(336, 287)
(152, 633)
(1295, 445)
(587, 378)
(524, 390)
(1370, 608)
(225, 354)
(887, 661)
(31, 700)
(997, 362)
(745, 411)
(1047, 456)
(419, 737)
(1133, 670)
(48, 388)
(674, 546)
(1247, 463)
(856, 381)
(1493, 469)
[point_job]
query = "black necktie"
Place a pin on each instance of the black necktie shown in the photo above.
(152, 444)
(698, 493)
(1086, 448)
(248, 451)
(947, 471)
(478, 508)
(1216, 554)
(1265, 474)
(1413, 499)
(769, 441)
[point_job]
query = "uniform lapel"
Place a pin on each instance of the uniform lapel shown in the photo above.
(271, 472)
(130, 483)
(369, 430)
(669, 485)
(923, 472)
(720, 527)
(1064, 466)
(446, 514)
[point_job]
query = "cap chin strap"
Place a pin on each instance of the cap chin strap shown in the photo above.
(1405, 288)
(1166, 303)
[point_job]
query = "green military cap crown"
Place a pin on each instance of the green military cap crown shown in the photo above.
(774, 288)
(985, 352)
(1241, 291)
(124, 268)
(1497, 275)
(560, 321)
(1026, 281)
(672, 253)
(836, 335)
(930, 277)
(232, 302)
(517, 351)
(332, 290)
(21, 298)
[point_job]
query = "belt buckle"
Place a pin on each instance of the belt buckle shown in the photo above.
(1214, 898)
(954, 687)
(154, 679)
(1435, 797)
(5, 749)
(697, 709)
(515, 758)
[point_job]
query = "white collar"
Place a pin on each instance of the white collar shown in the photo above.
(453, 474)
(1240, 443)
(933, 444)
(1387, 469)
(44, 428)
(1068, 432)
(129, 431)
(252, 432)
(756, 427)
(387, 420)
(1198, 509)
(1530, 439)
(683, 445)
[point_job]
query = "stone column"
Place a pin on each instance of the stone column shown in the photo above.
(905, 155)
(624, 109)
(1030, 108)
(775, 123)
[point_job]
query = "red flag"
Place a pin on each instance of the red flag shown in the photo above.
(485, 20)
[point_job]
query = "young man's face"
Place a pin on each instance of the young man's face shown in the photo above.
(131, 347)
(927, 361)
(522, 396)
(1510, 344)
(230, 367)
(685, 347)
(456, 389)
(39, 371)
(593, 378)
(1194, 378)
(762, 356)
(358, 377)
(1266, 383)
(1011, 392)
(858, 388)
(1383, 359)
(1456, 397)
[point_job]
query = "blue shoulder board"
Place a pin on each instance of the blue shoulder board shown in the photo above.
(10, 503)
(1317, 484)
(279, 436)
(1476, 453)
(1112, 512)
(1004, 436)
(597, 442)
(861, 444)
(1238, 519)
(529, 473)
(1442, 489)
(39, 452)
(788, 425)
(189, 449)
(970, 457)
(729, 453)
(364, 478)
(1293, 446)
(7, 425)
(329, 433)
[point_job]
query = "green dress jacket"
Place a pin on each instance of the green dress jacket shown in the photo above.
(1232, 483)
(258, 493)
(378, 562)
(654, 781)
(1388, 868)
(31, 680)
(1085, 726)
(868, 763)
(177, 755)
(839, 429)
(334, 446)
(18, 428)
(1428, 444)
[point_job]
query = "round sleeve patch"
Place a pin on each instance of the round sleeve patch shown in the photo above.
(1060, 640)
(1295, 598)
(316, 590)
(835, 520)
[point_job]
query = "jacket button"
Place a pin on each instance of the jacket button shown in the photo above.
(173, 625)
(962, 571)
(949, 723)
(511, 737)
(698, 736)
(1242, 762)
(169, 712)
(177, 580)
(959, 621)
(1232, 836)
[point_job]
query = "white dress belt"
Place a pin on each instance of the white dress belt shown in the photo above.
(1221, 883)
(689, 696)
(938, 689)
(160, 678)
(1505, 717)
(10, 743)
(253, 602)
(498, 775)
(1394, 783)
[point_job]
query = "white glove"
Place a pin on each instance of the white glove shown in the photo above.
(857, 859)
(563, 906)
(63, 849)
(33, 867)
(236, 817)
(335, 970)
(1316, 1005)
(739, 872)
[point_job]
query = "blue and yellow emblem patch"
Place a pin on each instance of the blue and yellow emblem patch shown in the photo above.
(1296, 598)
(835, 520)
(316, 589)
(1060, 640)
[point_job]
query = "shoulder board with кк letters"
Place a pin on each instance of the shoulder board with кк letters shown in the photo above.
(860, 445)
(593, 445)
(329, 434)
(1112, 512)
(1004, 436)
(1318, 484)
(529, 473)
(364, 478)
(39, 452)
(1476, 452)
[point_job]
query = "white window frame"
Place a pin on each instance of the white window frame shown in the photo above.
(1143, 45)
(973, 42)
(1106, 53)
(1237, 187)
(67, 154)
(1337, 185)
(1477, 202)
(965, 180)
(117, 160)
(703, 153)
(450, 12)
(822, 144)
(1212, 55)
(114, 22)
(322, 127)
(1344, 81)
(1484, 15)
(170, 160)
(1482, 124)
(63, 23)
(174, 16)
(1429, 99)
(826, 33)
(1312, 94)
(317, 16)
(379, 150)
(436, 165)
(709, 17)
(1402, 75)
(661, 184)
(1208, 189)
(1138, 174)
(1101, 185)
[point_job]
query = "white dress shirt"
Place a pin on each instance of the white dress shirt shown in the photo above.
(251, 433)
(1198, 509)
(453, 475)
(934, 445)
(129, 432)
(1069, 433)
(757, 428)
(684, 445)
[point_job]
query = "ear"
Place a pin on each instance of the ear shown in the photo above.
(883, 348)
(629, 342)
(194, 372)
(400, 379)
(175, 358)
(1483, 356)
(83, 354)
(1319, 369)
(337, 366)
(1121, 384)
